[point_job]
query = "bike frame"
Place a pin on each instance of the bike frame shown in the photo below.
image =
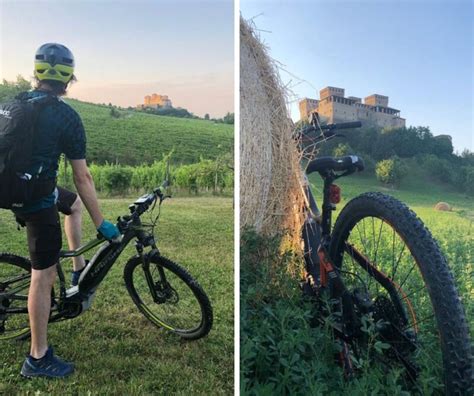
(75, 300)
(319, 265)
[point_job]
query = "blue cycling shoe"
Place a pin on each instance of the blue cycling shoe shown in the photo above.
(77, 274)
(48, 366)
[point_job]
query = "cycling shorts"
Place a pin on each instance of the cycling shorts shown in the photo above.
(43, 230)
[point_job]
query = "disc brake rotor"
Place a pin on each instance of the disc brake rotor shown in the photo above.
(166, 293)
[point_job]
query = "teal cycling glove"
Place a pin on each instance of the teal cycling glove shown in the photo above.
(108, 230)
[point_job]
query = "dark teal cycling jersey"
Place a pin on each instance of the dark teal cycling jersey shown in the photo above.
(59, 130)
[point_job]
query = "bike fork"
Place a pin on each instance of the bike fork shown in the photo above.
(149, 278)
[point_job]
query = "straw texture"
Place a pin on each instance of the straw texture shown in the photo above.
(271, 198)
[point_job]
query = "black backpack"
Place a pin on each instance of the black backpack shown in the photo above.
(18, 119)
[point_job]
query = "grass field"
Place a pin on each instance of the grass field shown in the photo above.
(281, 352)
(116, 350)
(137, 138)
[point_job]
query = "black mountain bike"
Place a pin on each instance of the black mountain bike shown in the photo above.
(162, 290)
(379, 280)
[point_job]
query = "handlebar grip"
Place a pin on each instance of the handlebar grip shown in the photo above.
(348, 125)
(342, 125)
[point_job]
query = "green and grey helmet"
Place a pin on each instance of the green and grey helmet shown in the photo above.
(54, 62)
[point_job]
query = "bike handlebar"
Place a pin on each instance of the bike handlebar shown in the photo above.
(342, 125)
(142, 204)
(327, 130)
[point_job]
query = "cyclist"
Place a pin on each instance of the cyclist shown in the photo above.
(58, 130)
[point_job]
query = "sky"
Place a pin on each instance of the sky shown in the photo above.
(125, 50)
(418, 53)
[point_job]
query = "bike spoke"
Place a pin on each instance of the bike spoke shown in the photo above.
(418, 322)
(405, 297)
(19, 288)
(363, 241)
(378, 241)
(6, 283)
(406, 277)
(176, 307)
(398, 260)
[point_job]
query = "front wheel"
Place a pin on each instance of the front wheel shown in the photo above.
(168, 296)
(15, 276)
(400, 281)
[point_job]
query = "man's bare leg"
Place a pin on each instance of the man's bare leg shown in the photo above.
(39, 305)
(73, 230)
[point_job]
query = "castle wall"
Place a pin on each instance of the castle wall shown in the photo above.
(334, 107)
(307, 106)
(156, 100)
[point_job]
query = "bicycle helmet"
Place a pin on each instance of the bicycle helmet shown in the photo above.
(54, 62)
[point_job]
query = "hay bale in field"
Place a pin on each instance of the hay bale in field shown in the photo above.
(443, 206)
(271, 198)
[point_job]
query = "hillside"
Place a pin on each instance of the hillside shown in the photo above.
(415, 190)
(136, 138)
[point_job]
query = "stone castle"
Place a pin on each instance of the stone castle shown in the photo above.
(156, 101)
(332, 107)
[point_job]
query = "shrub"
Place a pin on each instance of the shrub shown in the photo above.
(205, 175)
(114, 113)
(342, 149)
(186, 177)
(467, 179)
(438, 168)
(148, 177)
(390, 171)
(369, 164)
(116, 178)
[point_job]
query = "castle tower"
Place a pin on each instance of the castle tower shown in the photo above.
(376, 100)
(307, 106)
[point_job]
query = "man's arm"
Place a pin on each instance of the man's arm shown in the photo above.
(86, 190)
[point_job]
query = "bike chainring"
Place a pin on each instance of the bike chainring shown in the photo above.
(70, 309)
(392, 329)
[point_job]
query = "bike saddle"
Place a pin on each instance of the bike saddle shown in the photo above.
(348, 163)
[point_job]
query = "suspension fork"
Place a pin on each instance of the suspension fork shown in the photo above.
(146, 270)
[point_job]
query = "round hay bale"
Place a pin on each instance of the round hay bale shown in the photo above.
(271, 198)
(443, 206)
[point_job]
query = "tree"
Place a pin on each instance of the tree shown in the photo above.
(390, 171)
(229, 118)
(206, 116)
(114, 113)
(442, 146)
(469, 180)
(8, 90)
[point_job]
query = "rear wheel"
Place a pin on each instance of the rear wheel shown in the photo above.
(404, 293)
(169, 297)
(15, 276)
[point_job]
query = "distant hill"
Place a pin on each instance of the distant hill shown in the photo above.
(132, 138)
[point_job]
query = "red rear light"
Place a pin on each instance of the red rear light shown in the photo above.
(334, 194)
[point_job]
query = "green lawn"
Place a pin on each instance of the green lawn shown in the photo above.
(116, 350)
